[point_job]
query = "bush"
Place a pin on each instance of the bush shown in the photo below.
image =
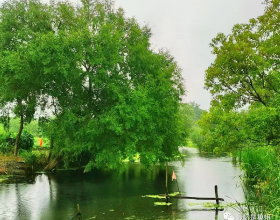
(197, 138)
(26, 141)
(5, 142)
(29, 157)
(3, 137)
(35, 160)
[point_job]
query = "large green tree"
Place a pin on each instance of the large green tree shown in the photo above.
(245, 73)
(246, 68)
(114, 96)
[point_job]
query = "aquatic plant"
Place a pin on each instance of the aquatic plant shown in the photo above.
(262, 180)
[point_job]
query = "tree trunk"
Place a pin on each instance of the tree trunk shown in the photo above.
(166, 182)
(51, 148)
(52, 164)
(18, 136)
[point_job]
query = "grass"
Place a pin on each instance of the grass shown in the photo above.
(262, 182)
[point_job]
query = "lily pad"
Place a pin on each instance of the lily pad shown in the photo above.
(162, 203)
(162, 196)
(155, 196)
(175, 194)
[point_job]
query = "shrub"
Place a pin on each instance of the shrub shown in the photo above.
(196, 137)
(3, 137)
(29, 157)
(26, 141)
(6, 142)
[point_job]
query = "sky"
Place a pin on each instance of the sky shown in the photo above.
(186, 28)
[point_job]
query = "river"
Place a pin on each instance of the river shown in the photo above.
(104, 194)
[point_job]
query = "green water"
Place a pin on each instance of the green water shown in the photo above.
(113, 195)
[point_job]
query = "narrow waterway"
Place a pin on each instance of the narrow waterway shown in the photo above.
(119, 195)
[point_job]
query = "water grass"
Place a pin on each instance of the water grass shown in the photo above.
(262, 179)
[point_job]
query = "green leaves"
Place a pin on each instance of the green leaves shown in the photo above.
(244, 64)
(112, 95)
(244, 73)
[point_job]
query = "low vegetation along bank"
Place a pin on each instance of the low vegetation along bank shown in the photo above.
(262, 181)
(35, 148)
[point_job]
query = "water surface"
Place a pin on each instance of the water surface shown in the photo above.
(113, 195)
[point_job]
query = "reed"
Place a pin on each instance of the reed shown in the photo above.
(262, 166)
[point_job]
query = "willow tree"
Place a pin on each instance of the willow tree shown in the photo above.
(116, 97)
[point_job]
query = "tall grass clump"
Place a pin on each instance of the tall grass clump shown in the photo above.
(262, 168)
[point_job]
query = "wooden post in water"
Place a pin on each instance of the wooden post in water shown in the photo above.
(166, 181)
(78, 211)
(216, 213)
(216, 194)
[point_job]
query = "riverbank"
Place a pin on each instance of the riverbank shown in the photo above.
(262, 182)
(12, 171)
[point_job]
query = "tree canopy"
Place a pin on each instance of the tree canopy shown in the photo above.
(244, 82)
(247, 62)
(111, 94)
(20, 83)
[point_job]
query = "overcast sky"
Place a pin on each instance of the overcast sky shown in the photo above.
(186, 27)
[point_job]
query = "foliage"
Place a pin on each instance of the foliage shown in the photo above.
(262, 166)
(29, 157)
(190, 114)
(14, 125)
(246, 65)
(3, 144)
(5, 141)
(196, 137)
(196, 110)
(112, 95)
(187, 117)
(256, 126)
(3, 137)
(20, 83)
(26, 141)
(244, 82)
(244, 73)
(32, 127)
